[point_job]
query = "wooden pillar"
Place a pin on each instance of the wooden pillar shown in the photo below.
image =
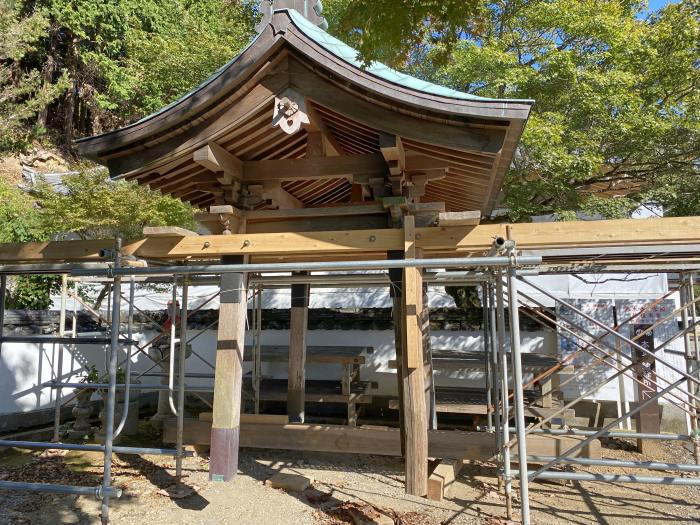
(229, 374)
(396, 293)
(414, 399)
(296, 377)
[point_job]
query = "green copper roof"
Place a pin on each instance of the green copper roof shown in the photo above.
(348, 54)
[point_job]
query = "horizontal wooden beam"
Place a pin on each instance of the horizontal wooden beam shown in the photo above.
(459, 218)
(383, 441)
(459, 240)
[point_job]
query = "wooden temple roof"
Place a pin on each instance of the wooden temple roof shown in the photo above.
(296, 121)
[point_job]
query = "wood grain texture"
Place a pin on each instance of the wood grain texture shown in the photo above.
(462, 240)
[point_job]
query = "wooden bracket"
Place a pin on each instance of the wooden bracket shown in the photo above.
(290, 112)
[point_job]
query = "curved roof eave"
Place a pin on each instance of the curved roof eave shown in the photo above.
(264, 43)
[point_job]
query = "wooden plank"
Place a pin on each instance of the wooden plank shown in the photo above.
(459, 218)
(382, 441)
(464, 240)
(442, 479)
(167, 231)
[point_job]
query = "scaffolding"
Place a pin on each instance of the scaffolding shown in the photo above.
(498, 274)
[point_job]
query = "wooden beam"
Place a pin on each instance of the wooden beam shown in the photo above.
(166, 231)
(459, 218)
(414, 406)
(217, 159)
(228, 375)
(315, 146)
(393, 153)
(382, 441)
(463, 239)
(296, 376)
(442, 479)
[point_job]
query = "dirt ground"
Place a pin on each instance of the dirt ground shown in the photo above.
(341, 484)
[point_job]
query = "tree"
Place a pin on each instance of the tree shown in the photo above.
(92, 206)
(23, 93)
(617, 116)
(94, 65)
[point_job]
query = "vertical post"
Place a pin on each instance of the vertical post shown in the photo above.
(257, 362)
(296, 376)
(396, 293)
(112, 389)
(493, 345)
(415, 416)
(428, 356)
(518, 389)
(182, 357)
(3, 292)
(648, 418)
(59, 372)
(696, 363)
(487, 358)
(503, 367)
(228, 375)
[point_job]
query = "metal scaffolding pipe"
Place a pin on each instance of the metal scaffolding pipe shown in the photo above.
(59, 373)
(89, 448)
(503, 364)
(620, 434)
(607, 427)
(627, 340)
(649, 465)
(99, 492)
(518, 389)
(462, 262)
(617, 478)
(111, 388)
(121, 386)
(181, 380)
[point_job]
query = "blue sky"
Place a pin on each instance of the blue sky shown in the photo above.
(656, 4)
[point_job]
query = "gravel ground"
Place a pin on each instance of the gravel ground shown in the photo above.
(341, 484)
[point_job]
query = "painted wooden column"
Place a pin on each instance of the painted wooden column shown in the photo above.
(414, 399)
(296, 376)
(228, 376)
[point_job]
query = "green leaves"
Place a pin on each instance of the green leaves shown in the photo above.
(84, 66)
(92, 206)
(617, 110)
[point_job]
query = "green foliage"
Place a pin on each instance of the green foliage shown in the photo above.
(91, 205)
(19, 218)
(23, 92)
(33, 292)
(390, 30)
(79, 67)
(617, 116)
